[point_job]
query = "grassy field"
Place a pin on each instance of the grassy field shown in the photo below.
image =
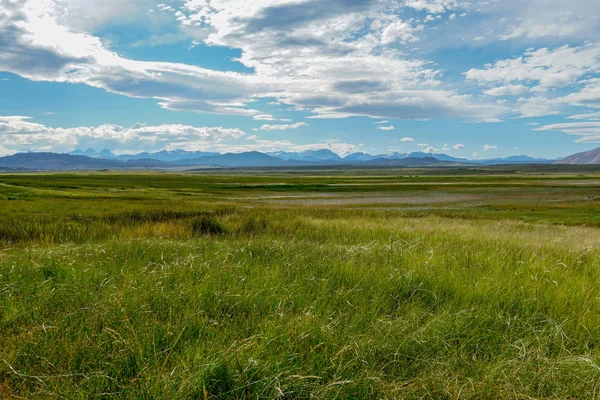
(359, 283)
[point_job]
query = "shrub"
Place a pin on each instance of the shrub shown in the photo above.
(206, 225)
(254, 225)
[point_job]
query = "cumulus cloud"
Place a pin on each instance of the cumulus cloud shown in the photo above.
(18, 133)
(508, 90)
(399, 30)
(537, 106)
(386, 128)
(36, 46)
(550, 68)
(458, 146)
(550, 19)
(432, 6)
(331, 59)
(304, 54)
(407, 139)
(488, 147)
(337, 146)
(283, 127)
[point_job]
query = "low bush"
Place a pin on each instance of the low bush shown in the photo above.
(206, 225)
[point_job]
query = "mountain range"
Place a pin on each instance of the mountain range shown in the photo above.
(322, 155)
(587, 157)
(105, 159)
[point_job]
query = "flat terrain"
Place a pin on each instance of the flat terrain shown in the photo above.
(301, 283)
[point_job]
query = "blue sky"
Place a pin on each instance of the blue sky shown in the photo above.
(476, 79)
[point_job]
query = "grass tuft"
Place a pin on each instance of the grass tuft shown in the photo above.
(207, 225)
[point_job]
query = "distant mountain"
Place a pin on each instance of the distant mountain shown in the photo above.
(441, 157)
(105, 159)
(367, 157)
(360, 157)
(163, 155)
(308, 155)
(587, 157)
(522, 159)
(167, 156)
(247, 159)
(395, 155)
(107, 154)
(87, 153)
(64, 162)
(408, 162)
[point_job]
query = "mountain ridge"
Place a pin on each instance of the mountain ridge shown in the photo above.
(90, 159)
(583, 158)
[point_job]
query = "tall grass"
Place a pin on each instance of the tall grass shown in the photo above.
(221, 300)
(301, 307)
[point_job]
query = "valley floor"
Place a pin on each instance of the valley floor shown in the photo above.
(398, 283)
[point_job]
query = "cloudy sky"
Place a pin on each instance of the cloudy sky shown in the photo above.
(471, 78)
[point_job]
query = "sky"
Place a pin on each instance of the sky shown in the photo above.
(476, 79)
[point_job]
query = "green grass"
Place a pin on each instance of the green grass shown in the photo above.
(275, 285)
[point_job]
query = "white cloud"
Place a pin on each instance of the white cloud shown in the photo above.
(6, 152)
(307, 55)
(537, 107)
(399, 30)
(337, 146)
(445, 147)
(432, 6)
(554, 19)
(36, 46)
(527, 21)
(21, 134)
(588, 95)
(458, 146)
(264, 117)
(488, 147)
(533, 30)
(508, 90)
(431, 150)
(590, 116)
(283, 127)
(91, 15)
(475, 155)
(588, 131)
(386, 128)
(550, 68)
(407, 139)
(382, 122)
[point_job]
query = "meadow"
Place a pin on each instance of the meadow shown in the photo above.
(462, 283)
